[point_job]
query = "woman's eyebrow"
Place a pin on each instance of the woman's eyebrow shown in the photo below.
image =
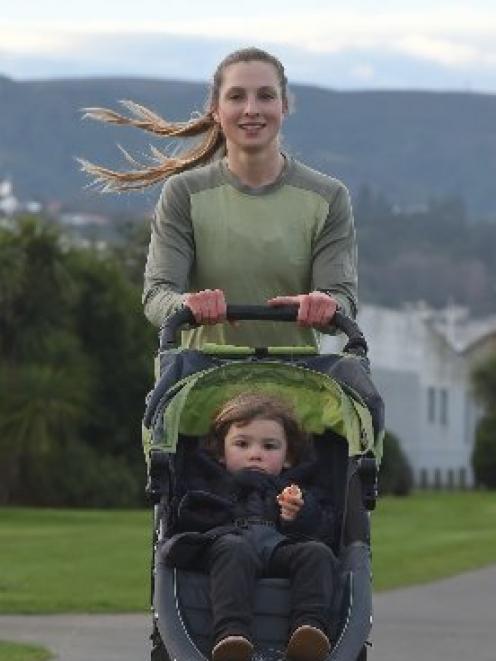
(262, 88)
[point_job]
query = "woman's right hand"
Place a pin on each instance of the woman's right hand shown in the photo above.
(208, 306)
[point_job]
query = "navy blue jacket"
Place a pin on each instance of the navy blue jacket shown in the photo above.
(217, 502)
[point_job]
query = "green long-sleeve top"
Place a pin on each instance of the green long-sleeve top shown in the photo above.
(210, 231)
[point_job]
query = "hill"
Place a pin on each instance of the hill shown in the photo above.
(412, 146)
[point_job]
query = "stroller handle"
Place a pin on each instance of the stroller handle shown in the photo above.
(356, 341)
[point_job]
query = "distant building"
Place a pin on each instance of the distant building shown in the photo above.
(10, 204)
(83, 219)
(421, 361)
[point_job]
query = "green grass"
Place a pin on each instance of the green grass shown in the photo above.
(98, 561)
(18, 652)
(74, 560)
(430, 536)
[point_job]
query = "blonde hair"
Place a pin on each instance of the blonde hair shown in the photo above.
(165, 165)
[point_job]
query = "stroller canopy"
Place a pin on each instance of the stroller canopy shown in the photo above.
(319, 401)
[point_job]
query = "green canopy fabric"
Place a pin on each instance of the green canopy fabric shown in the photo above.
(319, 402)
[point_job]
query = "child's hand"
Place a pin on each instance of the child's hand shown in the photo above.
(290, 501)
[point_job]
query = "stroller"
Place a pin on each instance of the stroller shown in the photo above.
(336, 403)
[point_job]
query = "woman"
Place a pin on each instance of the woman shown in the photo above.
(255, 226)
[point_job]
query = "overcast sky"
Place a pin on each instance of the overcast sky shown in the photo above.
(353, 44)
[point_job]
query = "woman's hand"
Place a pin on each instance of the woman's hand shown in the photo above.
(290, 501)
(208, 306)
(314, 309)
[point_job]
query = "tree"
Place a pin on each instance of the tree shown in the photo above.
(40, 410)
(131, 249)
(120, 345)
(395, 474)
(43, 374)
(35, 290)
(75, 363)
(484, 452)
(484, 380)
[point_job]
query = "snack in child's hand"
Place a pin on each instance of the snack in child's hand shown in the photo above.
(291, 492)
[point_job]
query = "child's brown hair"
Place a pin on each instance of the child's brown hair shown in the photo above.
(248, 406)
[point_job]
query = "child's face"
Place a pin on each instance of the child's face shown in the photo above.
(260, 445)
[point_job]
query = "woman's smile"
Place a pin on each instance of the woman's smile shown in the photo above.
(251, 108)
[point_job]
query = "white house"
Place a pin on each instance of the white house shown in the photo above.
(421, 362)
(9, 203)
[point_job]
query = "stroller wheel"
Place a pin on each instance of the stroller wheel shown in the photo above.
(363, 654)
(158, 653)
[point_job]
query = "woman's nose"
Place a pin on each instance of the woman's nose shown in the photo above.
(251, 105)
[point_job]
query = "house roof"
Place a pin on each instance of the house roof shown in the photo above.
(461, 331)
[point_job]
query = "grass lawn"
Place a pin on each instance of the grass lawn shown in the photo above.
(18, 652)
(433, 535)
(74, 560)
(98, 561)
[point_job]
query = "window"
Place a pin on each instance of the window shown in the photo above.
(450, 478)
(443, 406)
(431, 404)
(437, 405)
(438, 480)
(424, 478)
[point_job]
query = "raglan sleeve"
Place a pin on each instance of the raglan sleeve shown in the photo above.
(334, 265)
(170, 254)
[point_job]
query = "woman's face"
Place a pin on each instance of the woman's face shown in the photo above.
(250, 108)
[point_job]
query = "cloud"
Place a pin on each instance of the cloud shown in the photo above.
(16, 41)
(342, 47)
(363, 73)
(443, 51)
(325, 31)
(451, 50)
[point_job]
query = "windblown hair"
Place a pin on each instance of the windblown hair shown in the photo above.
(164, 165)
(249, 406)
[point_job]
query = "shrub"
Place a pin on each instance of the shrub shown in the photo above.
(484, 453)
(76, 475)
(395, 475)
(75, 365)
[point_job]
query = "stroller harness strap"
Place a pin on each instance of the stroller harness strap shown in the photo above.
(253, 520)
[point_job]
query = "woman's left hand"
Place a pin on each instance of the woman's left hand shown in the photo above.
(314, 309)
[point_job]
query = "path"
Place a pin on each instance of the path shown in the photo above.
(451, 620)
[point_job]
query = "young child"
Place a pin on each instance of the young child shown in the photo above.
(258, 521)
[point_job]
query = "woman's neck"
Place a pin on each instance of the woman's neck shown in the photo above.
(256, 169)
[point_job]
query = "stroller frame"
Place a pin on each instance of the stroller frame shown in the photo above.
(175, 591)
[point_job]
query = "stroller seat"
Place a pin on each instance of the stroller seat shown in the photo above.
(182, 597)
(183, 607)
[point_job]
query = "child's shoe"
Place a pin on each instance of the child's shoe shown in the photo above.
(308, 644)
(232, 648)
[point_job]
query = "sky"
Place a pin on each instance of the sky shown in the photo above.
(353, 44)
